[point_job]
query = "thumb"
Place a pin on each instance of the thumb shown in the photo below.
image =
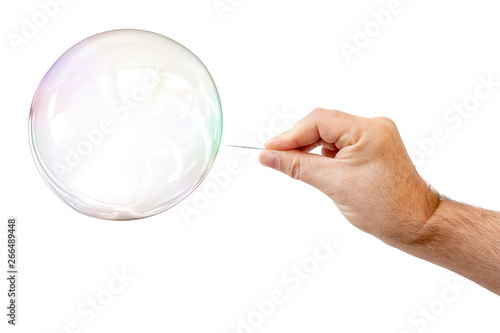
(309, 168)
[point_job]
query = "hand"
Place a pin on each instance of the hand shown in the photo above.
(364, 169)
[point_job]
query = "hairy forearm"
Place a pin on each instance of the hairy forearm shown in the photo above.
(464, 239)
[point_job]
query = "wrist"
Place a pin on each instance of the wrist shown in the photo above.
(431, 226)
(418, 225)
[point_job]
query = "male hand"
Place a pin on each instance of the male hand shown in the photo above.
(364, 169)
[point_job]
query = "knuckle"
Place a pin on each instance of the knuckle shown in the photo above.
(384, 131)
(318, 111)
(321, 114)
(384, 127)
(388, 123)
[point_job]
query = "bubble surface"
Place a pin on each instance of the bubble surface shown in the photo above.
(125, 124)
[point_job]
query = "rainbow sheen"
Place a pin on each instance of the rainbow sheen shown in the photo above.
(125, 124)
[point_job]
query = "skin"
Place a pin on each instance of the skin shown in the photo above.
(366, 171)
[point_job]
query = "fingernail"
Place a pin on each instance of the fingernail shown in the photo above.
(269, 159)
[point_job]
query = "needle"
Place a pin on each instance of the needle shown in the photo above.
(245, 147)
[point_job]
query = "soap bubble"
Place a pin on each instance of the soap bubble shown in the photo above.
(125, 124)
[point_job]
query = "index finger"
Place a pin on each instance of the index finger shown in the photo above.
(329, 126)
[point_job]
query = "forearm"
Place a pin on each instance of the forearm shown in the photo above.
(464, 239)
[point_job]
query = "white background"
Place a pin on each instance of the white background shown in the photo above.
(200, 272)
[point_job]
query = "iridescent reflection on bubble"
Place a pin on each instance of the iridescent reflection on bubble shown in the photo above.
(125, 124)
